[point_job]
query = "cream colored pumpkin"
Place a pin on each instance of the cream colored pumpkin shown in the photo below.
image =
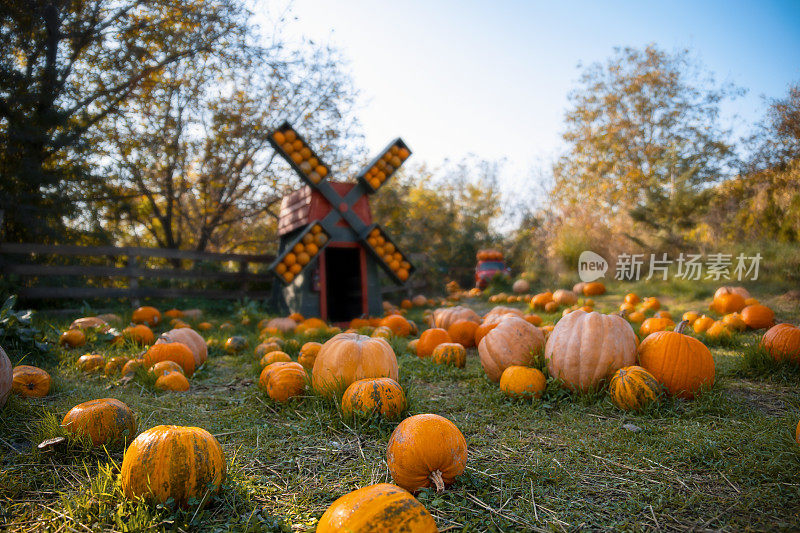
(447, 316)
(585, 348)
(565, 297)
(514, 342)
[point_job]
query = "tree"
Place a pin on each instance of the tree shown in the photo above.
(442, 219)
(191, 163)
(67, 66)
(644, 143)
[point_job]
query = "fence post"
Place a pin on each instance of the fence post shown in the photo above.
(245, 284)
(133, 279)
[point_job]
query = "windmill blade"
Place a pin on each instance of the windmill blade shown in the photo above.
(389, 256)
(300, 253)
(298, 153)
(381, 168)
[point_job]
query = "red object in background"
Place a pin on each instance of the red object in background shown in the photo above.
(306, 205)
(486, 270)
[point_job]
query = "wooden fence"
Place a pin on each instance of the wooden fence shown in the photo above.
(34, 264)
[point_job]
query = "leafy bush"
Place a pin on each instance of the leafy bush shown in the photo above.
(17, 331)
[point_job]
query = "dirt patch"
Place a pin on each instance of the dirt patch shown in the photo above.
(769, 400)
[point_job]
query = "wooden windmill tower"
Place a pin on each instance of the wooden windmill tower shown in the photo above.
(330, 249)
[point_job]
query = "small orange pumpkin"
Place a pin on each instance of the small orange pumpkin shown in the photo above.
(139, 334)
(450, 353)
(728, 303)
(72, 338)
(463, 332)
(594, 288)
(115, 365)
(172, 351)
(147, 315)
(758, 316)
(782, 342)
(734, 322)
(654, 324)
(104, 421)
(430, 339)
(173, 381)
(348, 357)
(274, 357)
(30, 381)
(287, 381)
(91, 362)
(366, 397)
(690, 317)
(632, 298)
(162, 368)
(636, 317)
(651, 304)
(398, 324)
(426, 450)
(717, 330)
(523, 382)
(702, 324)
(131, 366)
(308, 354)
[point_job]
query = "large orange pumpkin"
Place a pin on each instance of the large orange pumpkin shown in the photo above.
(105, 421)
(430, 339)
(782, 342)
(175, 462)
(514, 342)
(632, 388)
(147, 315)
(758, 316)
(377, 509)
(366, 397)
(190, 338)
(426, 450)
(523, 382)
(6, 377)
(172, 351)
(683, 364)
(585, 348)
(463, 332)
(30, 381)
(348, 357)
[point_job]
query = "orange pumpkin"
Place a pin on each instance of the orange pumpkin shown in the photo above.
(274, 357)
(482, 330)
(105, 421)
(541, 300)
(173, 381)
(430, 339)
(163, 368)
(266, 347)
(585, 348)
(72, 338)
(632, 388)
(683, 364)
(399, 325)
(728, 303)
(782, 342)
(627, 308)
(287, 381)
(366, 397)
(266, 372)
(348, 357)
(690, 317)
(297, 317)
(651, 304)
(175, 462)
(147, 315)
(139, 334)
(734, 322)
(632, 298)
(382, 332)
(741, 291)
(463, 332)
(594, 288)
(173, 313)
(536, 320)
(171, 351)
(308, 354)
(654, 324)
(717, 330)
(702, 324)
(758, 316)
(91, 323)
(131, 366)
(636, 317)
(450, 353)
(412, 346)
(190, 338)
(205, 326)
(115, 365)
(30, 381)
(375, 509)
(514, 342)
(426, 450)
(91, 362)
(523, 382)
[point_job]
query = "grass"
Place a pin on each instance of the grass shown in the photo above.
(725, 461)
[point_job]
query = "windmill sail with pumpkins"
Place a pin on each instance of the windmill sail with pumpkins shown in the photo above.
(330, 248)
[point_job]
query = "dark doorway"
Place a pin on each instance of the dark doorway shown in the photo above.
(343, 283)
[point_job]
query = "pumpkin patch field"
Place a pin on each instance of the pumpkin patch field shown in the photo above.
(647, 406)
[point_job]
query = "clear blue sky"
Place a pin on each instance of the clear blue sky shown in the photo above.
(491, 77)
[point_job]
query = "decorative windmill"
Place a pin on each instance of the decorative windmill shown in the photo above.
(330, 248)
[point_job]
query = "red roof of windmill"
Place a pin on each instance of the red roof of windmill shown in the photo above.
(305, 205)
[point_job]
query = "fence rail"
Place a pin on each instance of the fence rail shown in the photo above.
(13, 255)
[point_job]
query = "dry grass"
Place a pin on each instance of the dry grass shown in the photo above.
(726, 461)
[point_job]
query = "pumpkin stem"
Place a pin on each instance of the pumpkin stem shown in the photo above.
(681, 326)
(436, 477)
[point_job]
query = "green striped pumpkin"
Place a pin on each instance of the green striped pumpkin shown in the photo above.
(633, 387)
